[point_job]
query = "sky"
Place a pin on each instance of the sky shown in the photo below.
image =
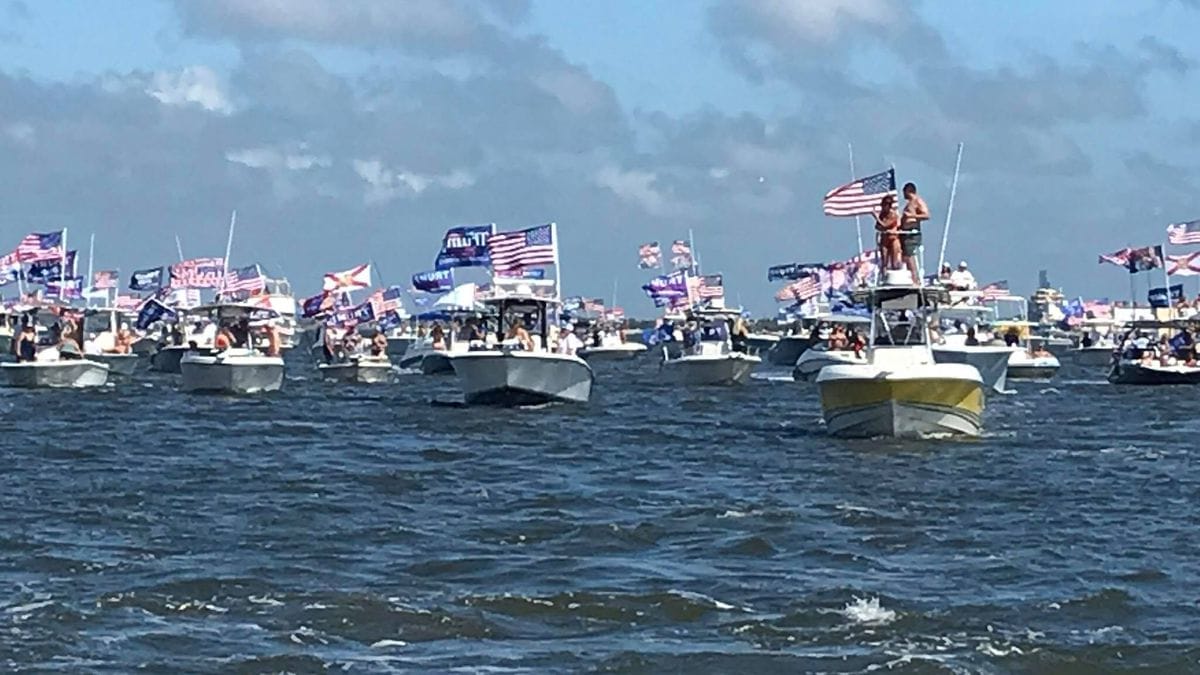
(346, 131)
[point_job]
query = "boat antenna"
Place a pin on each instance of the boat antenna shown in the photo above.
(557, 263)
(950, 209)
(91, 259)
(179, 248)
(857, 222)
(62, 271)
(228, 251)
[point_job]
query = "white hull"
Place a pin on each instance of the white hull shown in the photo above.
(991, 362)
(711, 369)
(901, 420)
(166, 360)
(1133, 372)
(917, 400)
(1023, 366)
(231, 372)
(118, 364)
(622, 352)
(522, 378)
(357, 372)
(810, 363)
(55, 374)
(1092, 356)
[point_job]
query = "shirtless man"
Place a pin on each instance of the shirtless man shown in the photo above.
(915, 213)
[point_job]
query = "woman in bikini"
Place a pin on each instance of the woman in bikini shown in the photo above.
(887, 224)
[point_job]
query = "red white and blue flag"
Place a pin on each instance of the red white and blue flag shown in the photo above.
(860, 197)
(532, 247)
(105, 279)
(244, 280)
(800, 290)
(995, 290)
(649, 255)
(681, 254)
(37, 246)
(1184, 234)
(711, 286)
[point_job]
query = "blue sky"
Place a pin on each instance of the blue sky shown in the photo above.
(624, 121)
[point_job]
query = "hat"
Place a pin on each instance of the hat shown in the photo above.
(962, 264)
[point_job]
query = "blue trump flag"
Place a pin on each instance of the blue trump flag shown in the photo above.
(146, 280)
(389, 320)
(1162, 297)
(153, 311)
(437, 281)
(465, 246)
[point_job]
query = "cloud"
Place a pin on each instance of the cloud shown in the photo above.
(194, 85)
(384, 184)
(275, 159)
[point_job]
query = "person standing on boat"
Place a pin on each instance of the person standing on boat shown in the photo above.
(25, 345)
(887, 224)
(915, 213)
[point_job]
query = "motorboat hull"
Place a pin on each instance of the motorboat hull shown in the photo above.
(1022, 366)
(397, 346)
(761, 345)
(718, 370)
(522, 378)
(991, 362)
(864, 402)
(810, 363)
(436, 363)
(166, 360)
(1092, 356)
(230, 374)
(357, 372)
(787, 351)
(145, 346)
(55, 374)
(1136, 373)
(124, 365)
(623, 352)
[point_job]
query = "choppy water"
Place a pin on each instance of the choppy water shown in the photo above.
(333, 528)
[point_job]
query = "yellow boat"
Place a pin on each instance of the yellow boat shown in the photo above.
(901, 390)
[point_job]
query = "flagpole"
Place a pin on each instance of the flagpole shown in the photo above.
(695, 256)
(950, 210)
(91, 260)
(857, 222)
(557, 263)
(1167, 279)
(62, 270)
(228, 251)
(179, 248)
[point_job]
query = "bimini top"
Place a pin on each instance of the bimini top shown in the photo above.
(1151, 324)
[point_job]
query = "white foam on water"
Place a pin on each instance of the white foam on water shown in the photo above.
(264, 600)
(990, 650)
(26, 608)
(772, 377)
(733, 513)
(704, 599)
(383, 644)
(868, 612)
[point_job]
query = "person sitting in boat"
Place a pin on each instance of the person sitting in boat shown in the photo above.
(962, 279)
(379, 344)
(944, 274)
(887, 224)
(837, 339)
(68, 344)
(568, 342)
(1012, 337)
(518, 334)
(351, 344)
(972, 340)
(1087, 340)
(437, 337)
(224, 339)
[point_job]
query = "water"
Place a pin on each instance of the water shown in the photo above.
(334, 528)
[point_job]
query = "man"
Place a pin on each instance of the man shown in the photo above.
(915, 213)
(962, 279)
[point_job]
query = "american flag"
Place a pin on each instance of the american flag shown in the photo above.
(105, 279)
(1186, 265)
(386, 300)
(995, 290)
(127, 303)
(36, 247)
(800, 290)
(512, 251)
(593, 305)
(1183, 234)
(1098, 309)
(1118, 258)
(860, 197)
(681, 254)
(711, 286)
(244, 280)
(649, 255)
(616, 313)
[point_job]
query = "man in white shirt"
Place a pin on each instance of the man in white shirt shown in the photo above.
(962, 279)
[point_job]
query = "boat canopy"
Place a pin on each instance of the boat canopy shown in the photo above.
(901, 297)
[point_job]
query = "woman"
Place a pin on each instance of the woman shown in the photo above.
(379, 344)
(517, 333)
(887, 224)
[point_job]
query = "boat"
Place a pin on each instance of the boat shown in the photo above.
(1142, 360)
(49, 368)
(107, 340)
(1026, 361)
(510, 373)
(432, 353)
(708, 358)
(1095, 344)
(964, 318)
(813, 359)
(244, 368)
(362, 369)
(901, 391)
(788, 349)
(605, 341)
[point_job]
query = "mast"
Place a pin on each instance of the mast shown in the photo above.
(950, 209)
(557, 263)
(228, 250)
(179, 248)
(62, 270)
(857, 222)
(91, 260)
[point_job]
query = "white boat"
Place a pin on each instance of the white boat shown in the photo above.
(358, 370)
(515, 374)
(711, 360)
(810, 363)
(102, 330)
(1026, 366)
(1092, 356)
(1140, 361)
(612, 347)
(902, 390)
(1136, 371)
(965, 318)
(233, 371)
(55, 374)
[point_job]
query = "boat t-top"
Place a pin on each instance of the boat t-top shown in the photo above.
(48, 354)
(245, 356)
(108, 339)
(713, 353)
